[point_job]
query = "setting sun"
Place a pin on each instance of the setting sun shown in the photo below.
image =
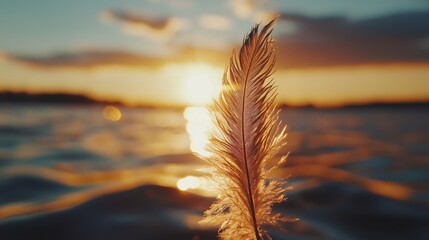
(202, 83)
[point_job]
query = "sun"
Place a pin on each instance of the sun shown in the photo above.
(202, 82)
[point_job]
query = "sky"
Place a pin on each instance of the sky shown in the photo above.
(169, 53)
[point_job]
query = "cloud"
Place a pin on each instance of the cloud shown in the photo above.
(86, 59)
(256, 10)
(242, 8)
(90, 59)
(3, 56)
(312, 42)
(336, 40)
(215, 22)
(145, 25)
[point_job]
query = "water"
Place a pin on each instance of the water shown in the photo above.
(70, 172)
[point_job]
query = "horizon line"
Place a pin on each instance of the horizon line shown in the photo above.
(63, 97)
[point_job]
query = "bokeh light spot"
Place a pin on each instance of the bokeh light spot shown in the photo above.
(112, 113)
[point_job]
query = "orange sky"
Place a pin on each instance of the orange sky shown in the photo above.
(195, 83)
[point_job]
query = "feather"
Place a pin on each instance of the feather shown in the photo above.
(246, 135)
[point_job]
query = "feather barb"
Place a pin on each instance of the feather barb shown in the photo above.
(246, 136)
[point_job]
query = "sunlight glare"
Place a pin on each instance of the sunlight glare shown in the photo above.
(202, 83)
(198, 125)
(188, 182)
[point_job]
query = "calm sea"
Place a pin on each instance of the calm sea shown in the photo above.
(90, 172)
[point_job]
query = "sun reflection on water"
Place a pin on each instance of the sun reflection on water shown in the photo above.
(189, 182)
(197, 185)
(197, 126)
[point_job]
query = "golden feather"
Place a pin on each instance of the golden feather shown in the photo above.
(246, 135)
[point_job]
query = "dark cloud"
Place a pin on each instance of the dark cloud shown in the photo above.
(86, 59)
(137, 18)
(158, 28)
(331, 41)
(317, 42)
(105, 58)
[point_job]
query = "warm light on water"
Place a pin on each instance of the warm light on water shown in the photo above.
(197, 126)
(112, 113)
(189, 182)
(93, 163)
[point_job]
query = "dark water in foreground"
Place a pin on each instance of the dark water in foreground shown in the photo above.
(68, 173)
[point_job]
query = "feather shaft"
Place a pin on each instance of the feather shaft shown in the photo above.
(243, 137)
(246, 136)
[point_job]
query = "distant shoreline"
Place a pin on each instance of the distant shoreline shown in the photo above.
(371, 105)
(80, 99)
(55, 98)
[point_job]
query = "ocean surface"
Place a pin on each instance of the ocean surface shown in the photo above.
(90, 172)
